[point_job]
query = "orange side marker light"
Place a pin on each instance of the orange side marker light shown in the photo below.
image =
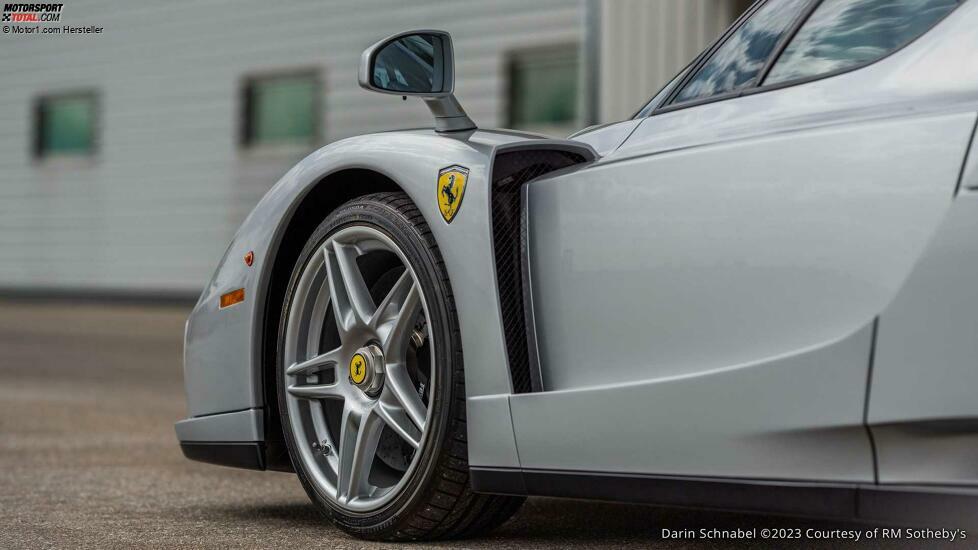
(230, 298)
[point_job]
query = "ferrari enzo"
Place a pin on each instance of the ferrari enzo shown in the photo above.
(759, 293)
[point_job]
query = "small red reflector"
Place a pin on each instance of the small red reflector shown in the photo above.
(249, 258)
(231, 298)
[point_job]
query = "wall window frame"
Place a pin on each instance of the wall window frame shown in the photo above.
(247, 141)
(757, 85)
(39, 115)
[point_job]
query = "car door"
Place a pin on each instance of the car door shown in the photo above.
(704, 298)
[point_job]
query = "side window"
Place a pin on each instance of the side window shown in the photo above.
(741, 57)
(845, 33)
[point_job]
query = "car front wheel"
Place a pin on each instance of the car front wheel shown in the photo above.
(371, 388)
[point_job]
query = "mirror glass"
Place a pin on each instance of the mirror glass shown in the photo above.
(412, 64)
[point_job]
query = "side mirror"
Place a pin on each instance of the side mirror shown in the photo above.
(417, 63)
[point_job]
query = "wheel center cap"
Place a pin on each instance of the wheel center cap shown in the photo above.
(367, 369)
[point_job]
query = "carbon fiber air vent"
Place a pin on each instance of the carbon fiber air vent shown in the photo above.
(510, 171)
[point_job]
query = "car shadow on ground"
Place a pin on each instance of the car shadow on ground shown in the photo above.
(546, 522)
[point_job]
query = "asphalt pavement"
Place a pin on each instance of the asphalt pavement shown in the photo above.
(88, 458)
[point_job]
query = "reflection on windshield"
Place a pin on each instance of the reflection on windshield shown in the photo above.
(742, 56)
(843, 33)
(406, 65)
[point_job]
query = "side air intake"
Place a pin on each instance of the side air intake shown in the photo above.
(510, 171)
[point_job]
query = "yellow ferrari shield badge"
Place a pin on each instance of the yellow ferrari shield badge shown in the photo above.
(451, 189)
(358, 368)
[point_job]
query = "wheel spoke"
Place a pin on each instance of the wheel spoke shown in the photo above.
(394, 416)
(316, 391)
(317, 363)
(395, 333)
(348, 291)
(390, 306)
(359, 435)
(403, 393)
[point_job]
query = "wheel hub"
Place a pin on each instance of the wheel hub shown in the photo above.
(367, 370)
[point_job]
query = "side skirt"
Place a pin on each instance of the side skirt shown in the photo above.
(249, 455)
(940, 506)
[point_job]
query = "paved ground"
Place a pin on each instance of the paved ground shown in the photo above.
(88, 458)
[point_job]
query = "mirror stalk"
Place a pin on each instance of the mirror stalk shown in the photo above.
(449, 115)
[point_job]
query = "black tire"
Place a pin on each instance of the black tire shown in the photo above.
(436, 502)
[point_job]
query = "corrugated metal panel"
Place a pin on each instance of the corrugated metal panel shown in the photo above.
(644, 43)
(169, 185)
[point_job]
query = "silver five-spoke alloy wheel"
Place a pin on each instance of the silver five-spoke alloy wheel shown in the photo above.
(358, 368)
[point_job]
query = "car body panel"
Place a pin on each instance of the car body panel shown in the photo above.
(796, 417)
(489, 417)
(606, 138)
(699, 259)
(246, 425)
(922, 403)
(695, 288)
(217, 369)
(654, 258)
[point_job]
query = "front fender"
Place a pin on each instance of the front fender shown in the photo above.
(223, 355)
(222, 361)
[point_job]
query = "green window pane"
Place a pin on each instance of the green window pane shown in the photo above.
(282, 110)
(544, 87)
(67, 125)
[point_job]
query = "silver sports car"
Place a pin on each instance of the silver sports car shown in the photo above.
(759, 293)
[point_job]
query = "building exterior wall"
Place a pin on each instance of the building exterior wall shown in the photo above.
(157, 204)
(154, 207)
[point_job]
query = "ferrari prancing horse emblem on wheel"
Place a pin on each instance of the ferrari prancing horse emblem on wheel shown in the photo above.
(358, 368)
(450, 189)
